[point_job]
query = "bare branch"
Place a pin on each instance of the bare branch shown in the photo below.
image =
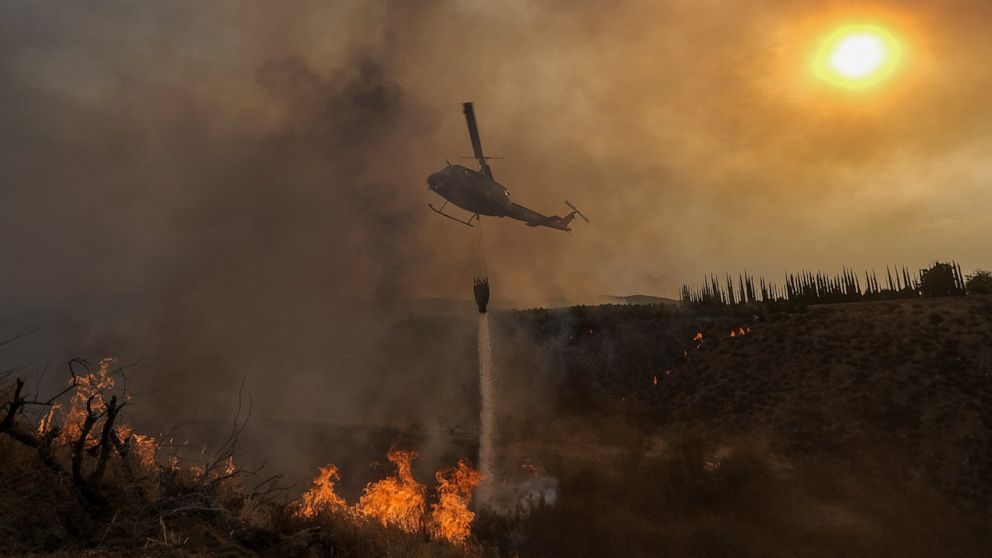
(106, 444)
(227, 449)
(13, 407)
(80, 444)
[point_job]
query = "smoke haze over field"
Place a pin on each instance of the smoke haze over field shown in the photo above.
(242, 188)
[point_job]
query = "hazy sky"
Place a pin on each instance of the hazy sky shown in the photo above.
(242, 172)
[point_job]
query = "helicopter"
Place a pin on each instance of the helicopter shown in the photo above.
(478, 192)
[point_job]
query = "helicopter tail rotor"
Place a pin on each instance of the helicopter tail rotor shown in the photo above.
(575, 211)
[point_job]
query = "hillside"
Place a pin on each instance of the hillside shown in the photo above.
(913, 376)
(634, 430)
(845, 430)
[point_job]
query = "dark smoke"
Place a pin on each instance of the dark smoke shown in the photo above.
(266, 228)
(231, 191)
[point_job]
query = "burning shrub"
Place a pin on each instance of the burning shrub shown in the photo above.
(78, 476)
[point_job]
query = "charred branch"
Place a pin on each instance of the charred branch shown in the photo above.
(80, 444)
(106, 440)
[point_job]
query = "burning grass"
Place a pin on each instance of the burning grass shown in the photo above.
(396, 501)
(399, 501)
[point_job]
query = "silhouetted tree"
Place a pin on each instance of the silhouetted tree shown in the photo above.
(939, 280)
(980, 282)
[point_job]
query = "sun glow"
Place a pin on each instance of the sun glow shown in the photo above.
(857, 56)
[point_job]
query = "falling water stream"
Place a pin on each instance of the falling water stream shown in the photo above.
(487, 431)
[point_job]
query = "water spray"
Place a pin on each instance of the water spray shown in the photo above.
(487, 413)
(487, 386)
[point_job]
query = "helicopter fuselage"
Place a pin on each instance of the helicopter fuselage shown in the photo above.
(471, 190)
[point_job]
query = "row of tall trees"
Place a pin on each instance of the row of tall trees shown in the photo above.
(940, 279)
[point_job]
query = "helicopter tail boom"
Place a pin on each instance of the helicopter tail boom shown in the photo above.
(535, 219)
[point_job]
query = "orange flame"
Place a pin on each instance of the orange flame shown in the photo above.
(698, 337)
(655, 381)
(92, 388)
(396, 501)
(451, 519)
(321, 495)
(89, 388)
(45, 425)
(741, 331)
(400, 501)
(145, 448)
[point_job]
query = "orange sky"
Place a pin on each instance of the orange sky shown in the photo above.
(252, 173)
(692, 133)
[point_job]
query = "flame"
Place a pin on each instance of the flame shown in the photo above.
(655, 381)
(698, 337)
(68, 420)
(144, 448)
(451, 519)
(45, 425)
(89, 388)
(400, 501)
(741, 331)
(321, 495)
(396, 501)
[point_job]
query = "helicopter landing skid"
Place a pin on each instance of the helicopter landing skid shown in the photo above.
(442, 213)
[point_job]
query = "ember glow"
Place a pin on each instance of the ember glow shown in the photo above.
(741, 331)
(698, 340)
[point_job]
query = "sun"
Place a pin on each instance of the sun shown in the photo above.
(857, 56)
